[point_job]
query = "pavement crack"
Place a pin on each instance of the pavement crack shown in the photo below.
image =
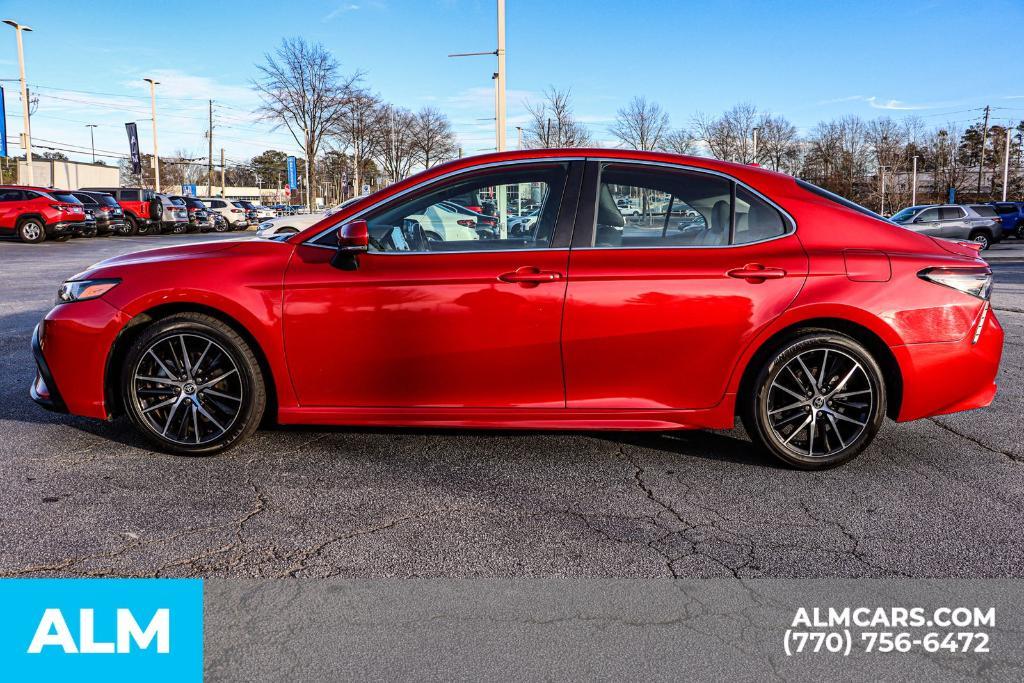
(968, 437)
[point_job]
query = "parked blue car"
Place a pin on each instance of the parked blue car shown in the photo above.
(1012, 214)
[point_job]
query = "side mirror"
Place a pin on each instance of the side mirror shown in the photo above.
(353, 239)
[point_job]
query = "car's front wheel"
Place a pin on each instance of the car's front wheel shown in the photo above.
(817, 401)
(982, 238)
(192, 385)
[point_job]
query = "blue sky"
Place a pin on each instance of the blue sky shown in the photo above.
(808, 61)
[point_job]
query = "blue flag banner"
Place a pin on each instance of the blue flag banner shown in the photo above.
(3, 124)
(102, 629)
(293, 173)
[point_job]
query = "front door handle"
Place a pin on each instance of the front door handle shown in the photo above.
(530, 275)
(756, 272)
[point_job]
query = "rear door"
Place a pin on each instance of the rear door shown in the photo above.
(953, 223)
(660, 305)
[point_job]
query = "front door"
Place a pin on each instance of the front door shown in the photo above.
(660, 305)
(11, 203)
(457, 314)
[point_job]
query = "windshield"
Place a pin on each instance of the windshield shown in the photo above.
(178, 202)
(66, 197)
(905, 214)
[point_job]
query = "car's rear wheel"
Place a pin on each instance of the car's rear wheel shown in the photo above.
(192, 385)
(180, 228)
(31, 231)
(817, 401)
(982, 238)
(221, 226)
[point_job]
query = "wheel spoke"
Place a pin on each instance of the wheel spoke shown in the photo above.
(161, 380)
(844, 380)
(195, 421)
(195, 368)
(209, 417)
(800, 428)
(216, 380)
(851, 393)
(159, 405)
(849, 419)
(161, 364)
(835, 430)
(789, 391)
(813, 429)
(810, 376)
(822, 375)
(214, 392)
(170, 415)
(184, 354)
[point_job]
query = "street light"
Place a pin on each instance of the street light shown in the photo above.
(156, 150)
(92, 140)
(26, 136)
(913, 185)
(881, 172)
(756, 130)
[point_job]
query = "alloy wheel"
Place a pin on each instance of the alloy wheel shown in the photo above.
(819, 402)
(31, 231)
(188, 389)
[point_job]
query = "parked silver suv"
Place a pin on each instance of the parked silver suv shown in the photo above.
(952, 221)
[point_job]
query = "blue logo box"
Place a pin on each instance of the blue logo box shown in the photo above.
(101, 629)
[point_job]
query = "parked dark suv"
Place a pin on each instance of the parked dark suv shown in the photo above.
(108, 213)
(198, 214)
(33, 214)
(1012, 215)
(142, 208)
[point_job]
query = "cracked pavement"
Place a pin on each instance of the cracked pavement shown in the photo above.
(933, 498)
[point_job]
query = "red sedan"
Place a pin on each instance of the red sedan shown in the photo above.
(729, 290)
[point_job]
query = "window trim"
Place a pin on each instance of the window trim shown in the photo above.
(593, 188)
(570, 192)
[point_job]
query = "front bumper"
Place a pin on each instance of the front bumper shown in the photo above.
(71, 347)
(44, 389)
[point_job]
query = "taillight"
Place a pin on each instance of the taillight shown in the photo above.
(466, 223)
(236, 211)
(976, 281)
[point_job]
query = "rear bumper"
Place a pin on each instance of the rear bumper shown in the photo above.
(64, 227)
(948, 377)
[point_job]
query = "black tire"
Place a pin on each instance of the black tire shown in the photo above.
(207, 425)
(220, 226)
(982, 237)
(852, 423)
(179, 228)
(1020, 231)
(31, 230)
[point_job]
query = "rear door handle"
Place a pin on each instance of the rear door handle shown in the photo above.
(530, 275)
(756, 272)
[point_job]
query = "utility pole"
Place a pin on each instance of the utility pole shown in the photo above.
(156, 151)
(1006, 163)
(981, 165)
(309, 201)
(223, 192)
(498, 77)
(26, 136)
(756, 131)
(92, 140)
(209, 159)
(881, 172)
(913, 184)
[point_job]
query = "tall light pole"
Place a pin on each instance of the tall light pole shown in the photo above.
(1006, 163)
(757, 129)
(913, 184)
(156, 150)
(92, 139)
(499, 79)
(26, 136)
(881, 172)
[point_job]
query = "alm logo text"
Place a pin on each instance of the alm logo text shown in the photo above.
(53, 631)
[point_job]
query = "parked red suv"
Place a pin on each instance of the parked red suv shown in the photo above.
(738, 291)
(33, 214)
(143, 210)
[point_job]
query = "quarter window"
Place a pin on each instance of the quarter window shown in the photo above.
(756, 220)
(490, 210)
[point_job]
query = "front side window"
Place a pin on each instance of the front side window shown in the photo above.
(651, 207)
(488, 210)
(927, 216)
(10, 195)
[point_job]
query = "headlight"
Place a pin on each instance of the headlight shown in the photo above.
(81, 290)
(266, 225)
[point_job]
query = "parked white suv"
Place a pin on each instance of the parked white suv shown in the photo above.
(234, 215)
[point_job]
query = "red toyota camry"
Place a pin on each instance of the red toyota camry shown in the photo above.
(638, 291)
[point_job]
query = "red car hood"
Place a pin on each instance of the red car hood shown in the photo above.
(161, 254)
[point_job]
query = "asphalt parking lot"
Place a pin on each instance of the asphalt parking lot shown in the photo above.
(934, 498)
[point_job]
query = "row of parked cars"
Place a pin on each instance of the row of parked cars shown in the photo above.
(986, 224)
(34, 214)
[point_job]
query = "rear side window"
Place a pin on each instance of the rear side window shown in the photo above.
(130, 195)
(217, 204)
(950, 213)
(66, 197)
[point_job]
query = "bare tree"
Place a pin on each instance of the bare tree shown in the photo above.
(395, 151)
(778, 144)
(359, 128)
(839, 156)
(641, 125)
(552, 122)
(303, 90)
(729, 137)
(680, 141)
(432, 138)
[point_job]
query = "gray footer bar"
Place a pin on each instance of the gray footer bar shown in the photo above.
(597, 629)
